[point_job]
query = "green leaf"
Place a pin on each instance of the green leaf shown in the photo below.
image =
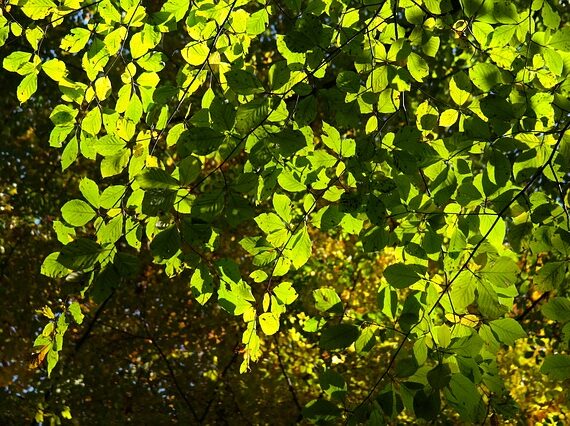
(439, 376)
(327, 300)
(550, 276)
(108, 145)
(333, 384)
(560, 40)
(189, 169)
(332, 139)
(289, 183)
(507, 330)
(234, 295)
(76, 40)
(69, 154)
(556, 366)
(156, 179)
(257, 22)
(52, 359)
(348, 81)
(462, 394)
(75, 311)
(550, 17)
(285, 293)
(251, 115)
(111, 196)
(321, 410)
(273, 226)
(202, 284)
(299, 248)
(90, 191)
(269, 323)
(283, 207)
(200, 141)
(289, 141)
(27, 87)
(166, 243)
(496, 228)
(366, 341)
(111, 231)
(38, 9)
(52, 268)
(338, 337)
(501, 272)
(418, 67)
(427, 404)
(557, 309)
(103, 88)
(55, 69)
(462, 292)
(92, 122)
(243, 82)
(400, 275)
(80, 254)
(485, 76)
(77, 212)
(115, 164)
(16, 60)
(460, 88)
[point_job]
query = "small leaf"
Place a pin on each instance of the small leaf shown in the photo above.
(299, 248)
(269, 322)
(75, 311)
(55, 69)
(418, 67)
(52, 268)
(285, 293)
(77, 212)
(366, 340)
(460, 88)
(90, 191)
(327, 300)
(282, 205)
(201, 284)
(27, 87)
(15, 60)
(166, 243)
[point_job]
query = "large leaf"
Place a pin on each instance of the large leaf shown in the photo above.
(507, 330)
(556, 366)
(80, 254)
(77, 212)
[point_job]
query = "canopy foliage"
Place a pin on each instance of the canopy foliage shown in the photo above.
(374, 192)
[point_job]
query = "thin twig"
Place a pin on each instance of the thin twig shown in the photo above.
(170, 371)
(287, 378)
